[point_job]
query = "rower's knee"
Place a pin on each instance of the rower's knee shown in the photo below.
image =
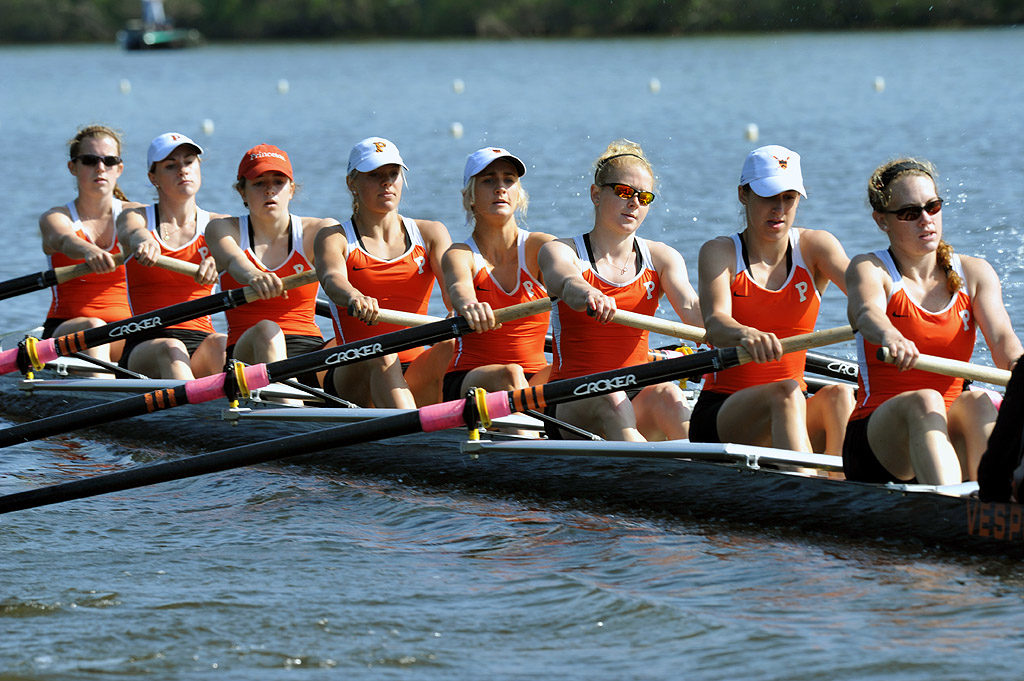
(785, 395)
(836, 398)
(925, 402)
(512, 376)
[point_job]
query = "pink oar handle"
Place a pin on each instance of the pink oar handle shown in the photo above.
(45, 349)
(449, 414)
(211, 388)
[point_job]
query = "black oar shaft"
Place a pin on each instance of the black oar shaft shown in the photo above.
(27, 284)
(245, 455)
(137, 405)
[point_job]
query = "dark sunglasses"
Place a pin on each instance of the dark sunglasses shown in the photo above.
(624, 191)
(93, 159)
(911, 213)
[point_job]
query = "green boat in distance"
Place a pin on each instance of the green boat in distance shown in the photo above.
(155, 31)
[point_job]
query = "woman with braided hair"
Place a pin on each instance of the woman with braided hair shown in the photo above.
(916, 297)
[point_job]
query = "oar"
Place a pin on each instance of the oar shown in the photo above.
(953, 367)
(816, 363)
(426, 419)
(245, 379)
(47, 278)
(58, 275)
(37, 354)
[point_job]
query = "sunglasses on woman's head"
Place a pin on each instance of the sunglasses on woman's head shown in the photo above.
(911, 213)
(93, 159)
(624, 191)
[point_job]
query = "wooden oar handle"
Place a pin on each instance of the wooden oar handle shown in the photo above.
(290, 282)
(504, 314)
(69, 272)
(662, 326)
(806, 341)
(531, 307)
(953, 367)
(185, 267)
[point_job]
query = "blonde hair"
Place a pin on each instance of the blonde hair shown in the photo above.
(880, 194)
(75, 146)
(619, 154)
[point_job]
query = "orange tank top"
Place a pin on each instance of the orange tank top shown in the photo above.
(583, 346)
(104, 296)
(788, 311)
(520, 341)
(151, 288)
(949, 333)
(296, 313)
(403, 283)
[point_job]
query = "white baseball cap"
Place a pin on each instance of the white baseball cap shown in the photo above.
(165, 144)
(372, 153)
(481, 158)
(772, 170)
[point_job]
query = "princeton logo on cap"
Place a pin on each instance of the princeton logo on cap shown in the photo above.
(783, 162)
(771, 170)
(372, 153)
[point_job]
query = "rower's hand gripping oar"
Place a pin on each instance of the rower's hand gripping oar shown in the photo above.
(953, 367)
(244, 379)
(33, 353)
(436, 417)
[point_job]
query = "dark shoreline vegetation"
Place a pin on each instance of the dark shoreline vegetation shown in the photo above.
(31, 21)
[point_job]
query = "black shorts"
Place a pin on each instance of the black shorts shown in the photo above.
(451, 387)
(704, 419)
(555, 433)
(859, 461)
(296, 345)
(190, 337)
(50, 325)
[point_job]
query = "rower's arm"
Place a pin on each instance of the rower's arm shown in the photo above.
(438, 241)
(867, 287)
(715, 265)
(990, 312)
(330, 257)
(135, 239)
(675, 282)
(59, 236)
(564, 280)
(828, 259)
(222, 238)
(457, 265)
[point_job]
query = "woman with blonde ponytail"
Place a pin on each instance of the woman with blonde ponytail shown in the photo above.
(916, 297)
(609, 268)
(83, 230)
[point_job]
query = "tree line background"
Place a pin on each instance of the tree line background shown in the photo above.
(25, 21)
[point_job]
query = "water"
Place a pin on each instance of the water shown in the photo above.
(244, 574)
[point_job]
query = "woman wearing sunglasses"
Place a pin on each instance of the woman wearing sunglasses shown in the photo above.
(918, 297)
(259, 249)
(175, 227)
(757, 286)
(604, 270)
(495, 268)
(83, 231)
(380, 259)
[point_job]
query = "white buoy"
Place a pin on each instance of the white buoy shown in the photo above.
(283, 86)
(752, 133)
(458, 87)
(125, 86)
(654, 86)
(207, 126)
(879, 84)
(456, 130)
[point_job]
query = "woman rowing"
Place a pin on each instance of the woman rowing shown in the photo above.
(495, 268)
(604, 270)
(83, 230)
(174, 226)
(260, 248)
(380, 259)
(757, 286)
(917, 296)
